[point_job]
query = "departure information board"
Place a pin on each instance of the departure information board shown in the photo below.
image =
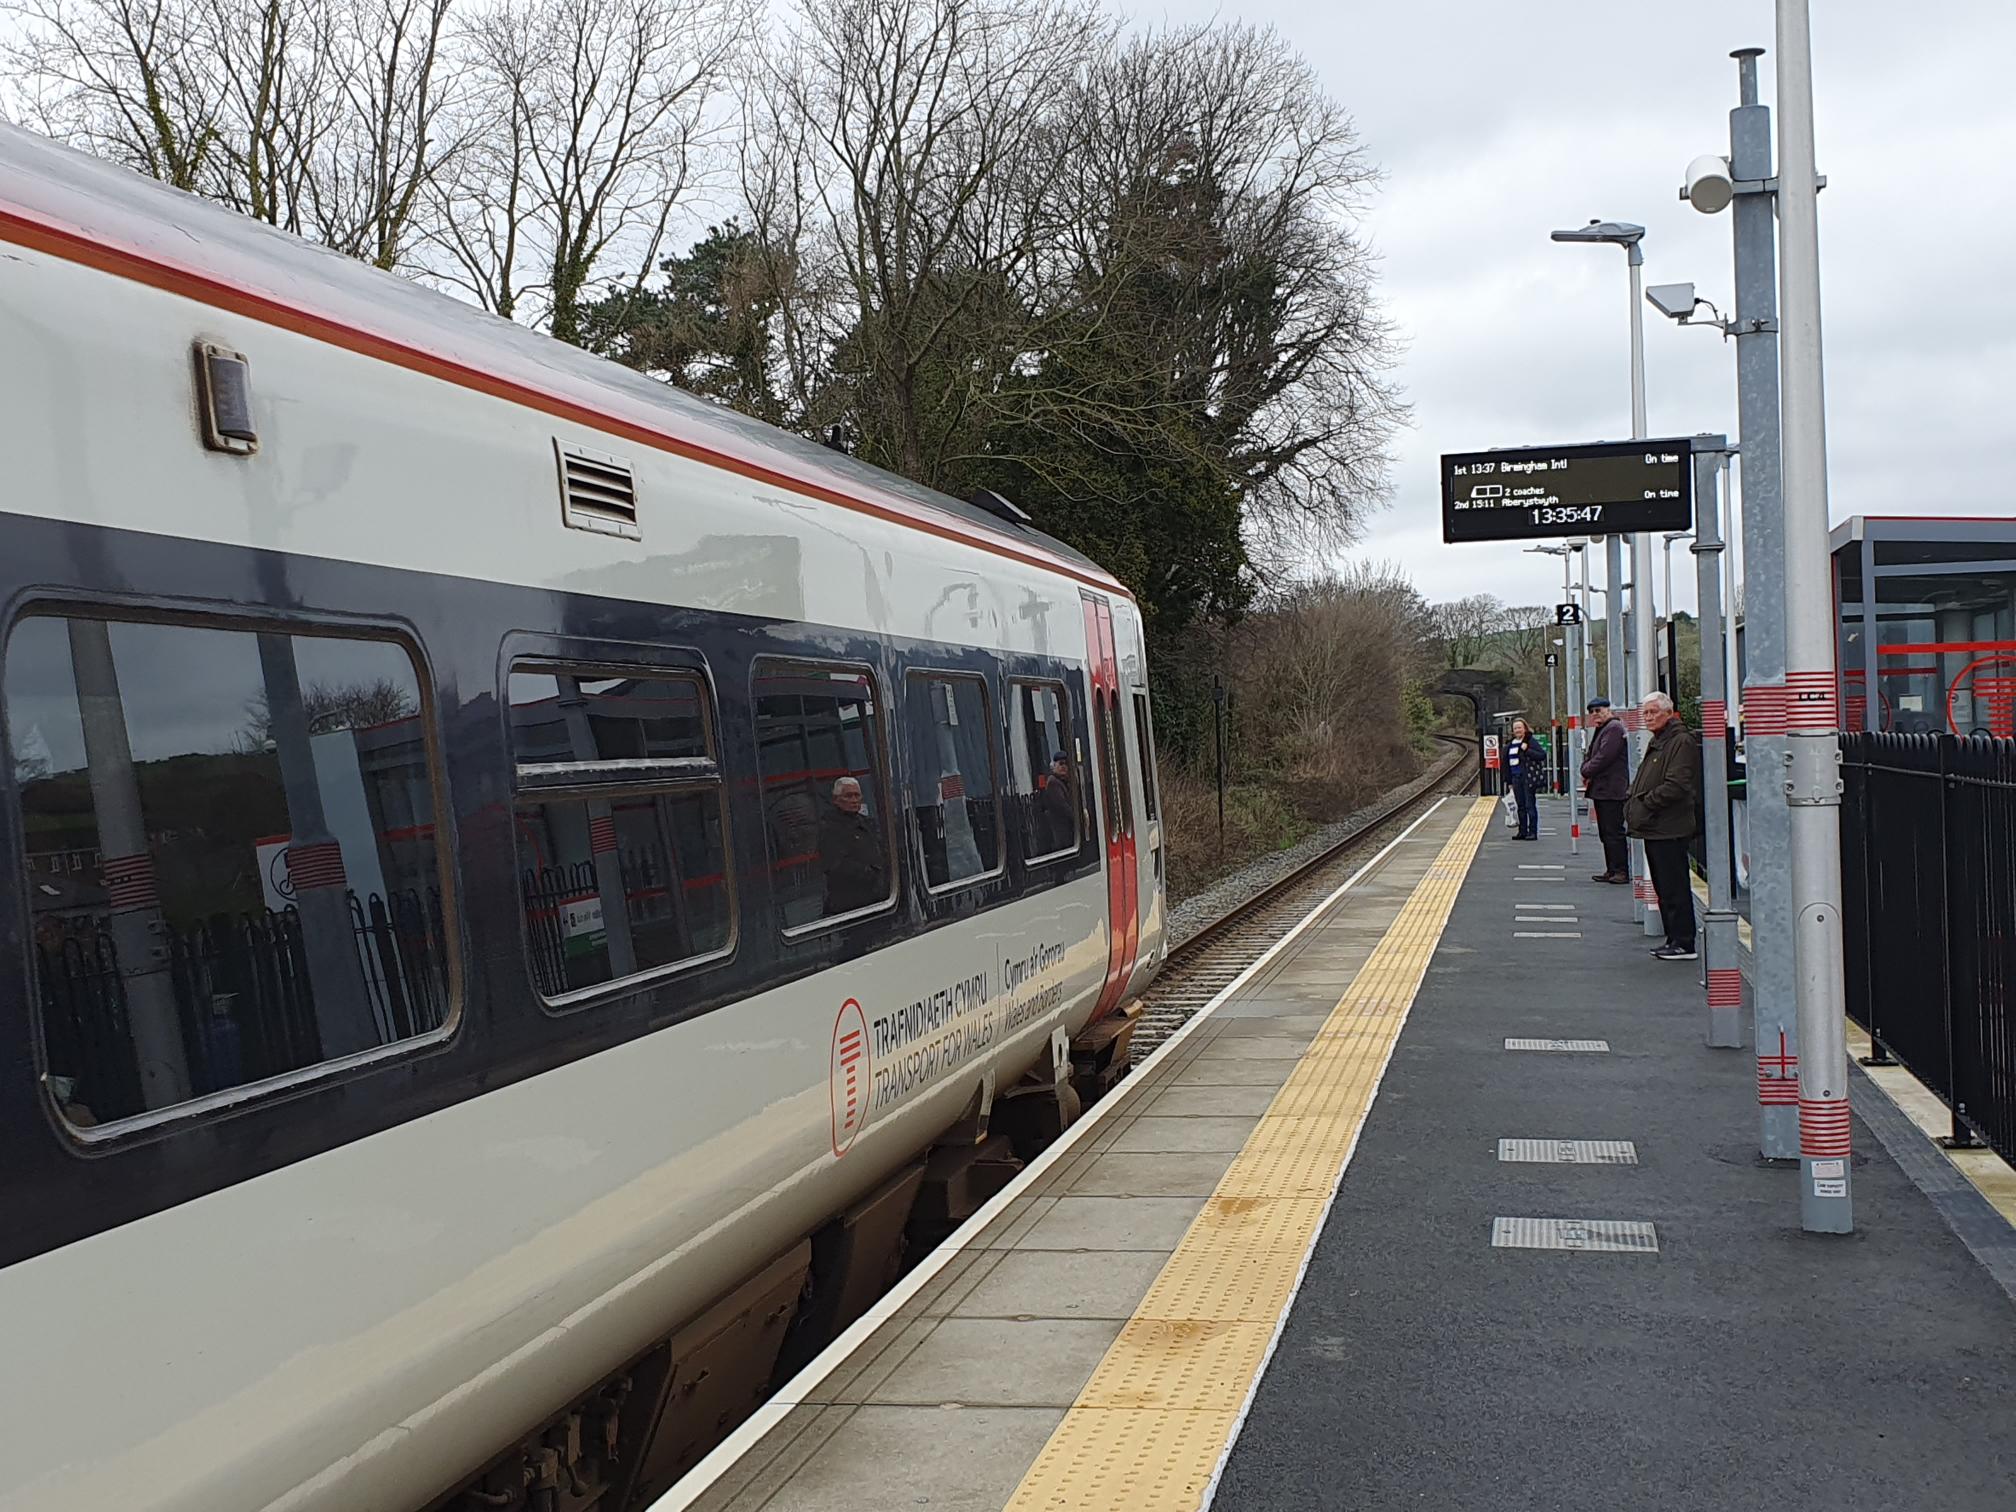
(1611, 488)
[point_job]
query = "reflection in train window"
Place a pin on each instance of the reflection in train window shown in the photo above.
(952, 800)
(1145, 738)
(231, 864)
(819, 750)
(621, 851)
(1045, 774)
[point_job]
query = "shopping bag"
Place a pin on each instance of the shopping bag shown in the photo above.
(1510, 805)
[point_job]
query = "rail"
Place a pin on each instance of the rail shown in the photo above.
(1206, 962)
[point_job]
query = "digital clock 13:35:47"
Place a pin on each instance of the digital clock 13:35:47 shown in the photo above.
(1567, 514)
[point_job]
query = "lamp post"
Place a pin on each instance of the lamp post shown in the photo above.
(1790, 990)
(1813, 740)
(1640, 657)
(1792, 705)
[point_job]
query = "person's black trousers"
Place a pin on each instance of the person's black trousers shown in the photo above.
(1527, 795)
(1667, 861)
(1610, 825)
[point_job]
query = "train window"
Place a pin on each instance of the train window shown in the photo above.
(1145, 736)
(1103, 711)
(1045, 774)
(952, 801)
(825, 809)
(1119, 729)
(231, 856)
(621, 851)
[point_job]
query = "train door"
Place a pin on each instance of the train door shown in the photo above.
(1116, 817)
(1150, 907)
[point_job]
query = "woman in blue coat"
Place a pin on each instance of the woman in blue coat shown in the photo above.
(1525, 772)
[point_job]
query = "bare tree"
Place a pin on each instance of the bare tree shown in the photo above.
(317, 116)
(397, 87)
(1211, 179)
(593, 117)
(1522, 631)
(333, 706)
(900, 159)
(130, 80)
(1465, 628)
(1325, 664)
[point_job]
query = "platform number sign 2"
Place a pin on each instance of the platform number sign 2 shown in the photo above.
(1567, 614)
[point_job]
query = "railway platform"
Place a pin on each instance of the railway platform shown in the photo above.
(1551, 1274)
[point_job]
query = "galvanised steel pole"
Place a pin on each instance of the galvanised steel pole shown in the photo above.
(1721, 972)
(1572, 679)
(1772, 994)
(1813, 743)
(1644, 653)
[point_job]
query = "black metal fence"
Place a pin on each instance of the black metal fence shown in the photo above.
(244, 999)
(1928, 859)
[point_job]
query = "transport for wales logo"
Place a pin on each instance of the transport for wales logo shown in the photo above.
(847, 1076)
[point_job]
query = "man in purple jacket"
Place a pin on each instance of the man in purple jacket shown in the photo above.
(1606, 778)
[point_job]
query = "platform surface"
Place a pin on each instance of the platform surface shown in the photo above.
(1186, 1307)
(1743, 1364)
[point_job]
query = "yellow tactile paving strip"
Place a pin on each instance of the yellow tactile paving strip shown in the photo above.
(1149, 1428)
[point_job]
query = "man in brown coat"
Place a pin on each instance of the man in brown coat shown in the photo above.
(1660, 811)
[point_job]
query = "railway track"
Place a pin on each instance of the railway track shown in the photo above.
(1208, 962)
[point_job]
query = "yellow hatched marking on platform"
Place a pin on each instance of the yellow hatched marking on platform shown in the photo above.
(1148, 1429)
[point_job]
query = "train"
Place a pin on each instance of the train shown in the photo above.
(529, 896)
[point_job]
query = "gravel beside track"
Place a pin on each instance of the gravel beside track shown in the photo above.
(1230, 893)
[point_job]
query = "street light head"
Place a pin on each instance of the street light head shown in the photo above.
(1618, 233)
(1709, 185)
(1674, 300)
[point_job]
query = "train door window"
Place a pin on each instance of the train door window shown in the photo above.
(621, 853)
(952, 799)
(825, 804)
(231, 866)
(1145, 738)
(1112, 767)
(1115, 713)
(1045, 775)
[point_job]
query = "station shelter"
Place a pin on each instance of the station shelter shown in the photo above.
(1927, 624)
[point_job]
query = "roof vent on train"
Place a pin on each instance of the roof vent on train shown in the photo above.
(994, 504)
(597, 492)
(224, 400)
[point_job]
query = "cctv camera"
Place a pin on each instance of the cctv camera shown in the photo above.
(1709, 186)
(1676, 301)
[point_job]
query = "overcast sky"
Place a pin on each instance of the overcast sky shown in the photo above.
(1496, 123)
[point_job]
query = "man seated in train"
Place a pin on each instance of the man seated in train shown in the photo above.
(850, 852)
(1056, 828)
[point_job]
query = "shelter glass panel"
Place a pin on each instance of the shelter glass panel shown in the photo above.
(1945, 654)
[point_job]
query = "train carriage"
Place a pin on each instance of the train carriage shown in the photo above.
(522, 886)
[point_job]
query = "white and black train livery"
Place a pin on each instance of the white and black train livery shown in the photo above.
(510, 875)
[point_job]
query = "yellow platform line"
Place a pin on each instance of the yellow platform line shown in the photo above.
(1148, 1430)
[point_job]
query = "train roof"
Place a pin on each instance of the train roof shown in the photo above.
(83, 209)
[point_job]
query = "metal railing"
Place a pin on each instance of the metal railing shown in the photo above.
(1928, 863)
